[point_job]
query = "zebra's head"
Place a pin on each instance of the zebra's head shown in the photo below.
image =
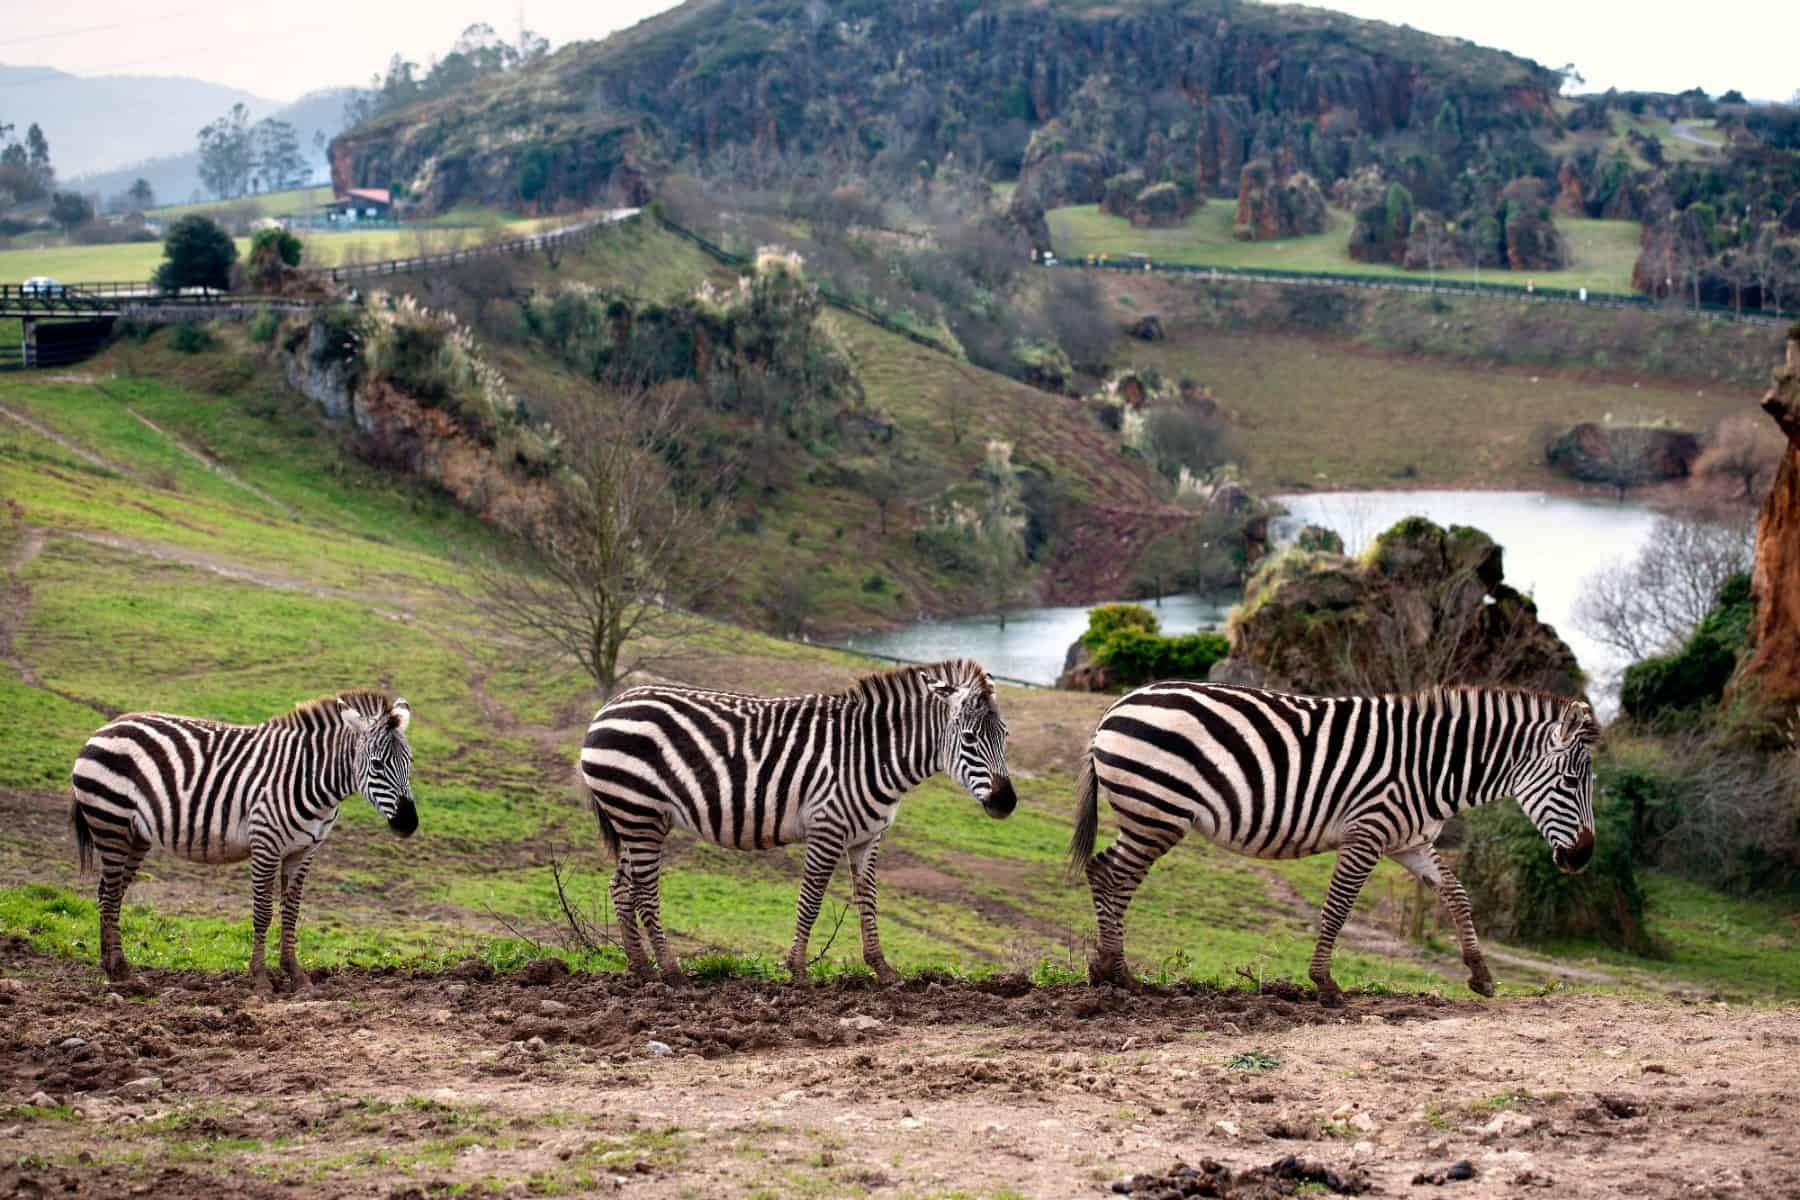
(974, 737)
(383, 763)
(1556, 789)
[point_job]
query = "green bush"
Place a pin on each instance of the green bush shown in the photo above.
(197, 253)
(1670, 686)
(262, 326)
(1519, 895)
(1108, 619)
(1134, 657)
(191, 337)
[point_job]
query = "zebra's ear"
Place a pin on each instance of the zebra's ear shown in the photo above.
(400, 714)
(1577, 725)
(355, 720)
(940, 687)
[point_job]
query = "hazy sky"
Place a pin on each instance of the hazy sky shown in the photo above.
(282, 50)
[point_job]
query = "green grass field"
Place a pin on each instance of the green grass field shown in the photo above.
(1603, 251)
(133, 261)
(266, 204)
(298, 571)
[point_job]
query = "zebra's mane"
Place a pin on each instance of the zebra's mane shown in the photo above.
(309, 712)
(961, 672)
(1554, 706)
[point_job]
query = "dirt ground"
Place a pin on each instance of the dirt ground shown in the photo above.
(397, 1086)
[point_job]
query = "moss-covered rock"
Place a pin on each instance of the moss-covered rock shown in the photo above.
(1424, 605)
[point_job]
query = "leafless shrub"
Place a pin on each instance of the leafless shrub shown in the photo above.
(1650, 605)
(1745, 450)
(610, 575)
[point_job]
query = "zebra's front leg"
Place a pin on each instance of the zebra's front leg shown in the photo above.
(862, 879)
(293, 884)
(265, 865)
(1356, 858)
(822, 853)
(1423, 862)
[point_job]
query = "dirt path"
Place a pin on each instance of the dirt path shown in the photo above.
(394, 1086)
(215, 466)
(17, 607)
(75, 448)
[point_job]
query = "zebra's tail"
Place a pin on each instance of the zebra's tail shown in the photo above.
(84, 836)
(608, 834)
(1087, 815)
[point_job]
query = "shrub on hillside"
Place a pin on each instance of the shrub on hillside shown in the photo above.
(1519, 895)
(1126, 642)
(1672, 686)
(191, 337)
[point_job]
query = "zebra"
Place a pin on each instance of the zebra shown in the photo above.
(219, 793)
(753, 772)
(1281, 776)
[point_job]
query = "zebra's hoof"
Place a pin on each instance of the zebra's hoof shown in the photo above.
(674, 977)
(1482, 984)
(1109, 974)
(887, 977)
(299, 982)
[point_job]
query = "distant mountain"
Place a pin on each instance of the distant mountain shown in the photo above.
(95, 124)
(176, 177)
(1190, 87)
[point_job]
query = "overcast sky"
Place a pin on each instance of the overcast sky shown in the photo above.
(280, 51)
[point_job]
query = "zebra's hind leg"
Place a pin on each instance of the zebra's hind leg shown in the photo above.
(293, 884)
(1114, 876)
(643, 859)
(1423, 862)
(1356, 858)
(265, 865)
(822, 853)
(118, 867)
(629, 937)
(862, 877)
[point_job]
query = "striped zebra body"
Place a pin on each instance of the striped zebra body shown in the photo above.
(754, 772)
(1281, 776)
(218, 793)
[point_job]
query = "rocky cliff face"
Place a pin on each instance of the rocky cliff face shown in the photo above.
(890, 86)
(1771, 674)
(1427, 606)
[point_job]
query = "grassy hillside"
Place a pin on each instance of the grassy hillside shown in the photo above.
(1602, 252)
(1315, 413)
(131, 261)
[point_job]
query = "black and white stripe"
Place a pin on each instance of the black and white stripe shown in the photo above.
(1279, 776)
(219, 793)
(758, 771)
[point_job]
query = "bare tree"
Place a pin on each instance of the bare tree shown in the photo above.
(1744, 449)
(609, 574)
(1648, 606)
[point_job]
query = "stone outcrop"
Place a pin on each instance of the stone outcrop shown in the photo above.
(1771, 672)
(1624, 455)
(1270, 208)
(1533, 242)
(1426, 606)
(1569, 200)
(1159, 206)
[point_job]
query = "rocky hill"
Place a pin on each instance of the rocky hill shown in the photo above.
(899, 90)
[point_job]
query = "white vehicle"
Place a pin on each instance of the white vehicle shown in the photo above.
(42, 285)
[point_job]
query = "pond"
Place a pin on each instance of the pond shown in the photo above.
(1552, 544)
(1031, 646)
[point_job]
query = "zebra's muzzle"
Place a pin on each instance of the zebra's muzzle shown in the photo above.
(405, 820)
(1002, 799)
(1571, 859)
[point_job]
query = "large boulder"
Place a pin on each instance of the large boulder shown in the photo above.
(1270, 208)
(1425, 606)
(1624, 456)
(1159, 206)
